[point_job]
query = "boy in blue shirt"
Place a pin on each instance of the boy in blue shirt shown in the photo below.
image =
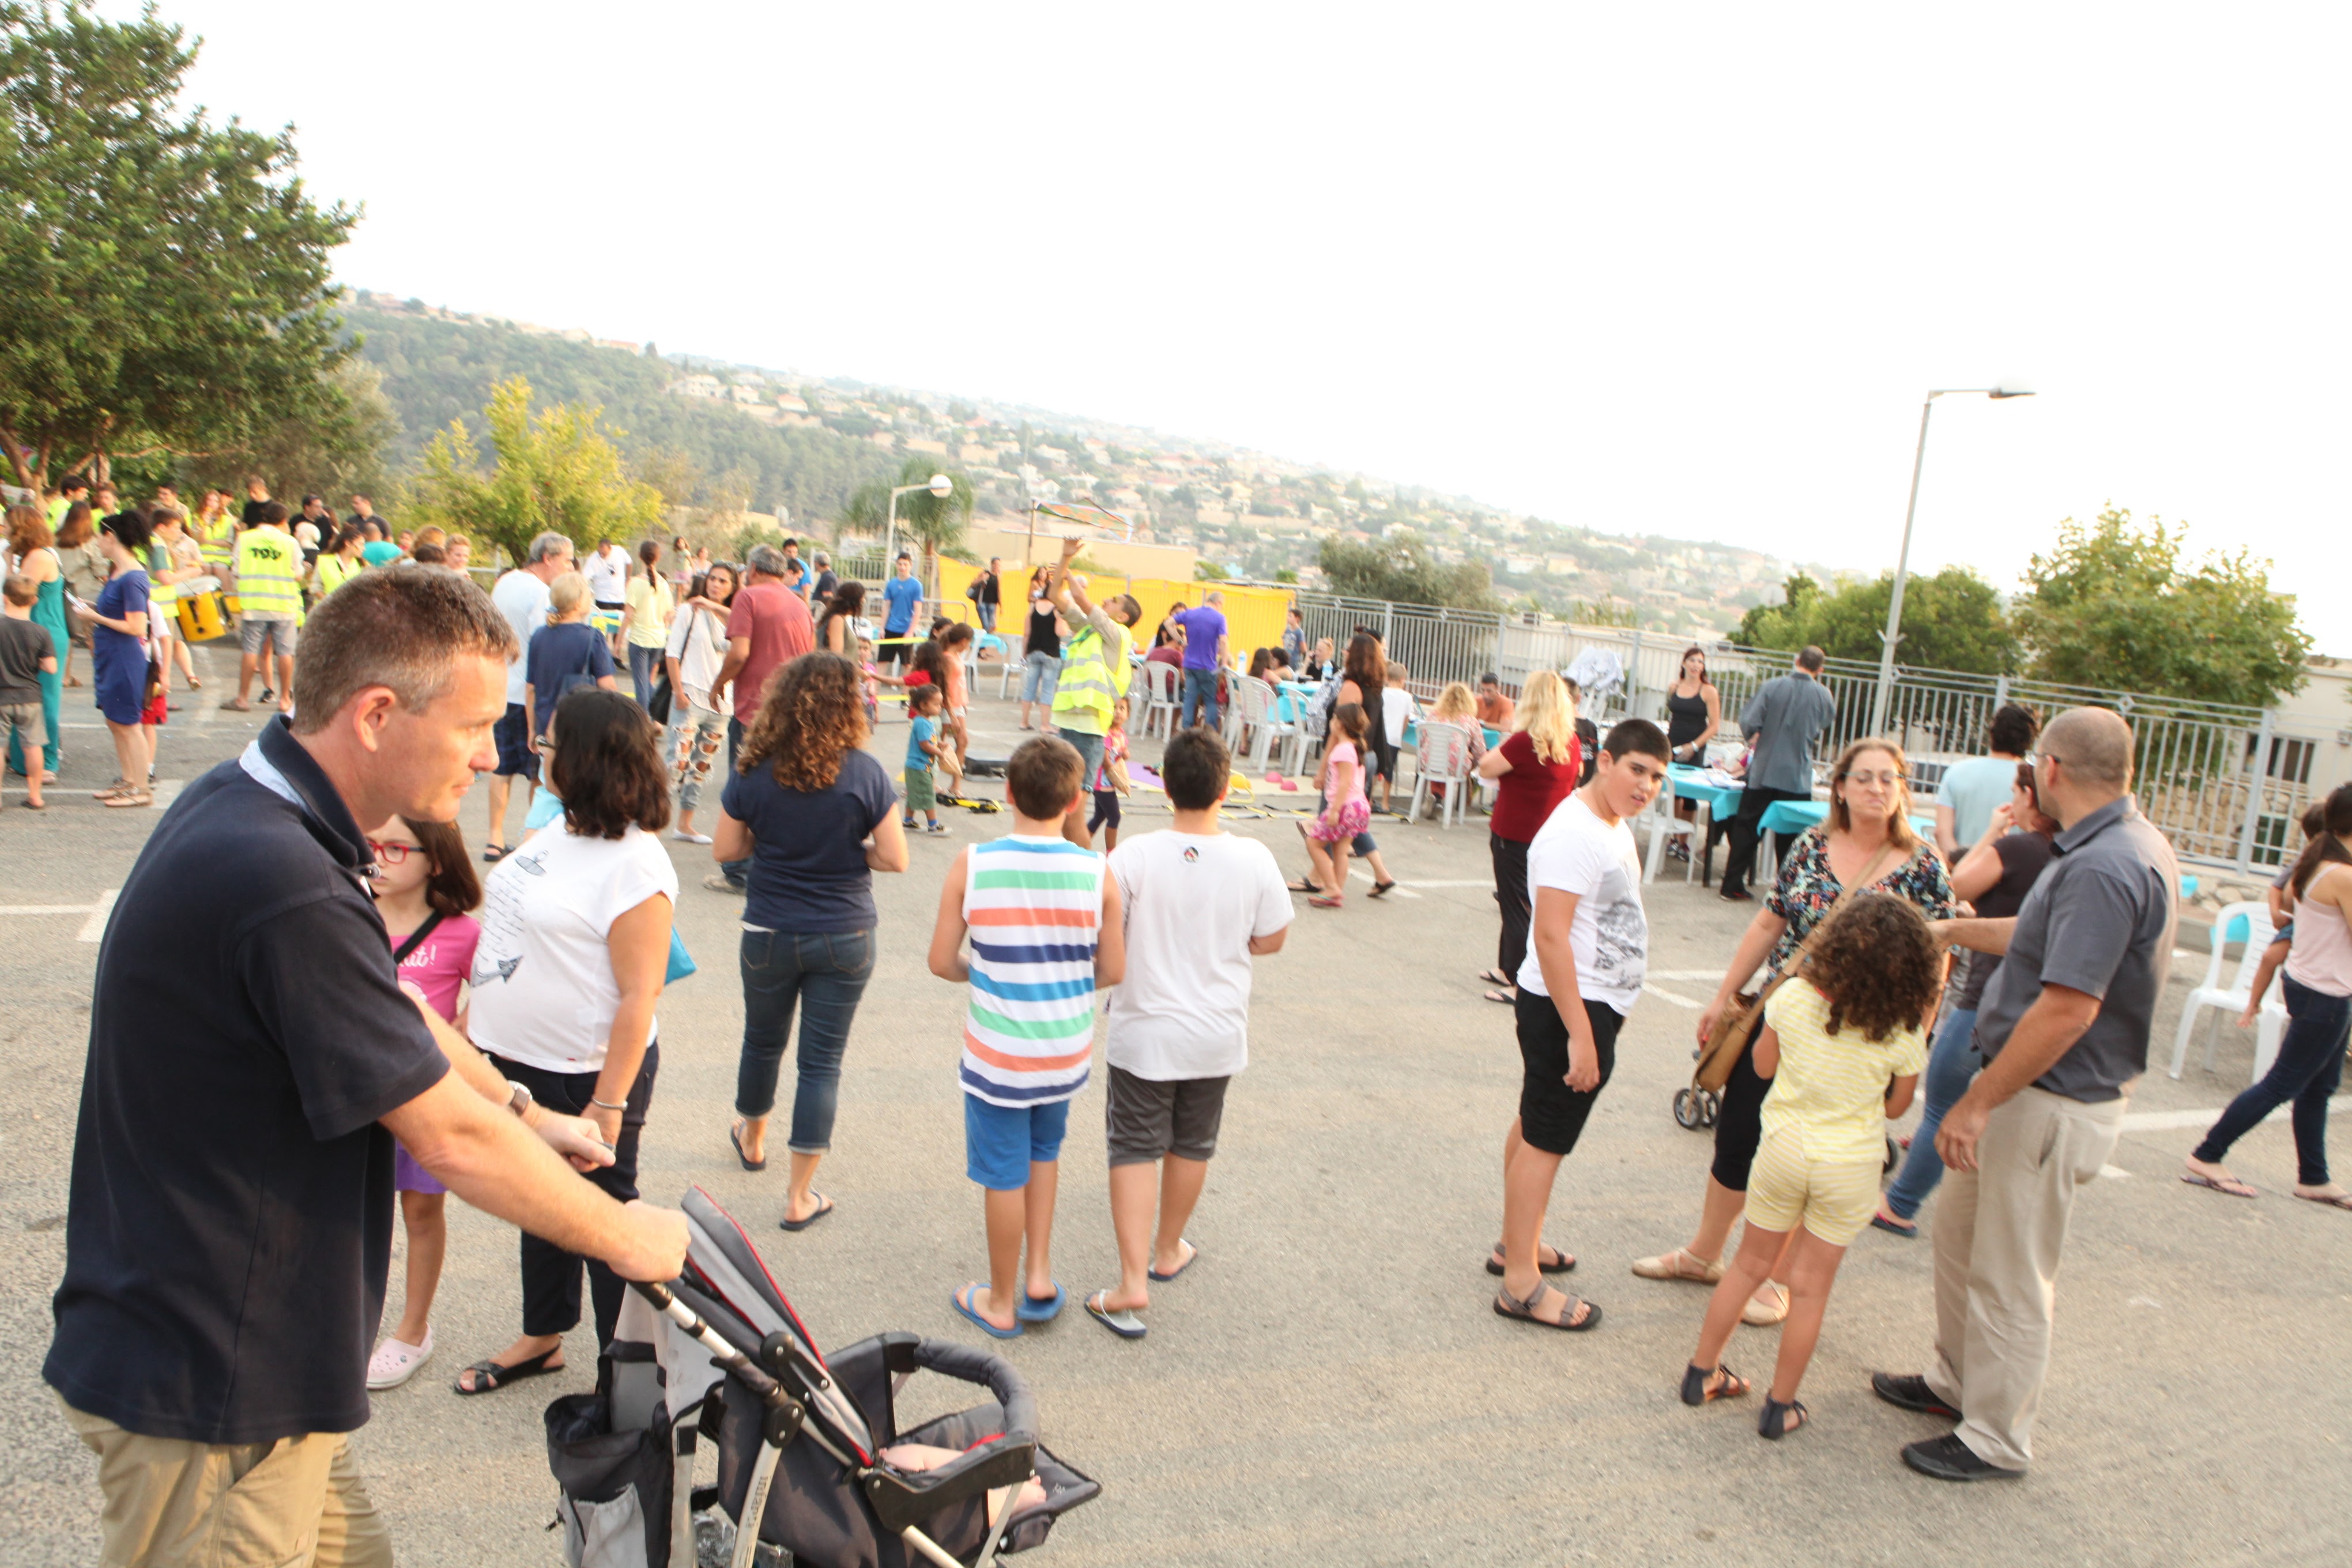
(923, 747)
(903, 597)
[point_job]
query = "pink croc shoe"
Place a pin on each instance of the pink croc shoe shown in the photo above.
(395, 1363)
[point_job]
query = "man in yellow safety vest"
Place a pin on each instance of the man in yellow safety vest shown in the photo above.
(1094, 675)
(270, 601)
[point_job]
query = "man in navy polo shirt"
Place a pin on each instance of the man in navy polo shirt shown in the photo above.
(251, 1057)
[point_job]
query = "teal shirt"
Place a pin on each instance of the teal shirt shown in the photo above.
(918, 732)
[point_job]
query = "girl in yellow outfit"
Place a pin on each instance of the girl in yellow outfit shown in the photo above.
(1843, 1044)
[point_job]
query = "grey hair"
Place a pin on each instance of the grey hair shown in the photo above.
(1216, 596)
(545, 545)
(768, 561)
(823, 559)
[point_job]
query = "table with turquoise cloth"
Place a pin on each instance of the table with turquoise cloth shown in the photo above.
(1796, 816)
(1412, 733)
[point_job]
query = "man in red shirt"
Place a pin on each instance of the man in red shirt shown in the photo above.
(767, 627)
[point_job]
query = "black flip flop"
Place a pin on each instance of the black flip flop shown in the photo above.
(1302, 886)
(489, 1376)
(494, 853)
(1379, 887)
(735, 1136)
(1506, 998)
(824, 1207)
(1496, 977)
(1567, 1264)
(1907, 1232)
(1509, 1306)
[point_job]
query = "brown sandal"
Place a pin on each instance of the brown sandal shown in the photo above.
(1509, 1306)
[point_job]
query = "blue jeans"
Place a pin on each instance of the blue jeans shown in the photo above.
(2310, 1064)
(645, 672)
(737, 872)
(827, 973)
(1952, 1066)
(1201, 690)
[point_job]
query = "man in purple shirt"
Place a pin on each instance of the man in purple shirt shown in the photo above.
(1204, 656)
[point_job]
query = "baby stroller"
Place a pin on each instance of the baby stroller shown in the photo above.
(719, 1353)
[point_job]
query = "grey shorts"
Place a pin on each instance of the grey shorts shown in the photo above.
(254, 635)
(1151, 1117)
(25, 716)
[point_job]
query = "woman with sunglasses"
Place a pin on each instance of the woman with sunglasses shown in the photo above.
(1867, 845)
(425, 890)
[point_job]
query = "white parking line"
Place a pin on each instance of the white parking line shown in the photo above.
(94, 928)
(46, 908)
(1665, 996)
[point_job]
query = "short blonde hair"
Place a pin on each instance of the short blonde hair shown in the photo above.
(1397, 674)
(567, 595)
(1547, 714)
(1455, 702)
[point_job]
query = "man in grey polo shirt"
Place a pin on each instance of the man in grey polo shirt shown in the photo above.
(1783, 720)
(2063, 1032)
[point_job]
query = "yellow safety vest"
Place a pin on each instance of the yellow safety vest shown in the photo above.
(1093, 679)
(269, 575)
(218, 538)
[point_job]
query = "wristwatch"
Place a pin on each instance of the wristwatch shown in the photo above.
(519, 1100)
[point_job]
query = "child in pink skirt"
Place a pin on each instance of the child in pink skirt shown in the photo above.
(425, 884)
(1346, 811)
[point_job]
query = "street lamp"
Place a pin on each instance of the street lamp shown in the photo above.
(1894, 632)
(939, 485)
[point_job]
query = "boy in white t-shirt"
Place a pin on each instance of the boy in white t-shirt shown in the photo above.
(1200, 902)
(1588, 950)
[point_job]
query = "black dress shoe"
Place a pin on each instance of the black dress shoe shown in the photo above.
(1948, 1459)
(1912, 1392)
(1737, 896)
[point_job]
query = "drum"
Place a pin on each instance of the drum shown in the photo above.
(203, 616)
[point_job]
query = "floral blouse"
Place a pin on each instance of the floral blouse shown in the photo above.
(1808, 888)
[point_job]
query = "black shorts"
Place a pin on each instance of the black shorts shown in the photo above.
(1551, 1114)
(1106, 809)
(513, 736)
(1147, 1117)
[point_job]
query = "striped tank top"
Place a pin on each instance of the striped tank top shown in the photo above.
(1034, 907)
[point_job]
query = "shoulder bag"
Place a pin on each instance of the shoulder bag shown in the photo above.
(1739, 1023)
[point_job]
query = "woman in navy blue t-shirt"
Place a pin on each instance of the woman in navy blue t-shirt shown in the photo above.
(817, 818)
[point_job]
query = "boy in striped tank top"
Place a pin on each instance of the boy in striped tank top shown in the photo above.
(1046, 928)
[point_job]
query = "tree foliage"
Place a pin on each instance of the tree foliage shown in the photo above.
(937, 522)
(163, 281)
(557, 470)
(2115, 604)
(335, 450)
(1401, 570)
(1952, 620)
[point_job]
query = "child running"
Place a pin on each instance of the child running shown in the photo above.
(1110, 780)
(1046, 930)
(925, 745)
(1346, 811)
(1843, 1044)
(425, 886)
(1580, 980)
(1199, 903)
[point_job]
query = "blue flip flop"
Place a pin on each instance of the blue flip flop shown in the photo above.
(1040, 1309)
(963, 1304)
(1156, 1277)
(1123, 1322)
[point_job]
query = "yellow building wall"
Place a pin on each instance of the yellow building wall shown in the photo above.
(1253, 616)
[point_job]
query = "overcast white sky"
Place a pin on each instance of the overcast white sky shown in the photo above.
(1683, 270)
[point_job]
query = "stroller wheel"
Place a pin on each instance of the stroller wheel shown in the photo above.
(1689, 1114)
(1710, 1107)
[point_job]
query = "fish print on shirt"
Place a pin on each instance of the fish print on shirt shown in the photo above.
(501, 918)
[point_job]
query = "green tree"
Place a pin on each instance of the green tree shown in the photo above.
(1401, 570)
(337, 451)
(558, 469)
(2114, 604)
(937, 522)
(1952, 620)
(164, 282)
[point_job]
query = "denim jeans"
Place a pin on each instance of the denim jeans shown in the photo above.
(692, 746)
(1200, 694)
(645, 672)
(825, 974)
(1952, 1066)
(1040, 674)
(737, 872)
(2310, 1064)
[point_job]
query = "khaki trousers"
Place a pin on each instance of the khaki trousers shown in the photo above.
(1999, 1229)
(298, 1502)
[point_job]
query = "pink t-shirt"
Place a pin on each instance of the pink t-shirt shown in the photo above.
(441, 963)
(1345, 751)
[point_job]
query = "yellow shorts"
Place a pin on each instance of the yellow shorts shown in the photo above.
(1832, 1198)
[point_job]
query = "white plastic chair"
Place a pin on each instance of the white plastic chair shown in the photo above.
(1305, 736)
(1259, 718)
(1160, 687)
(1664, 824)
(1444, 758)
(2270, 1024)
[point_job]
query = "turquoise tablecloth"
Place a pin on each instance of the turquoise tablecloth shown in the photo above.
(1413, 735)
(1796, 816)
(1690, 784)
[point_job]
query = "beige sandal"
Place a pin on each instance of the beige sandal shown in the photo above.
(1680, 1265)
(1765, 1316)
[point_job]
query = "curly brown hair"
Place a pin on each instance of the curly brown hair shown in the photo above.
(813, 715)
(1877, 965)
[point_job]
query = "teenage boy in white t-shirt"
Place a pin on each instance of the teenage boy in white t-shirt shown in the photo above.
(1200, 902)
(1589, 947)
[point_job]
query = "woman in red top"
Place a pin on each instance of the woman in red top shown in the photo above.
(1534, 768)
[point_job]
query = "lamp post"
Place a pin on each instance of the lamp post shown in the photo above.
(939, 485)
(1894, 632)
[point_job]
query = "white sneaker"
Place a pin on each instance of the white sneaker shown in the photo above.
(690, 837)
(395, 1363)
